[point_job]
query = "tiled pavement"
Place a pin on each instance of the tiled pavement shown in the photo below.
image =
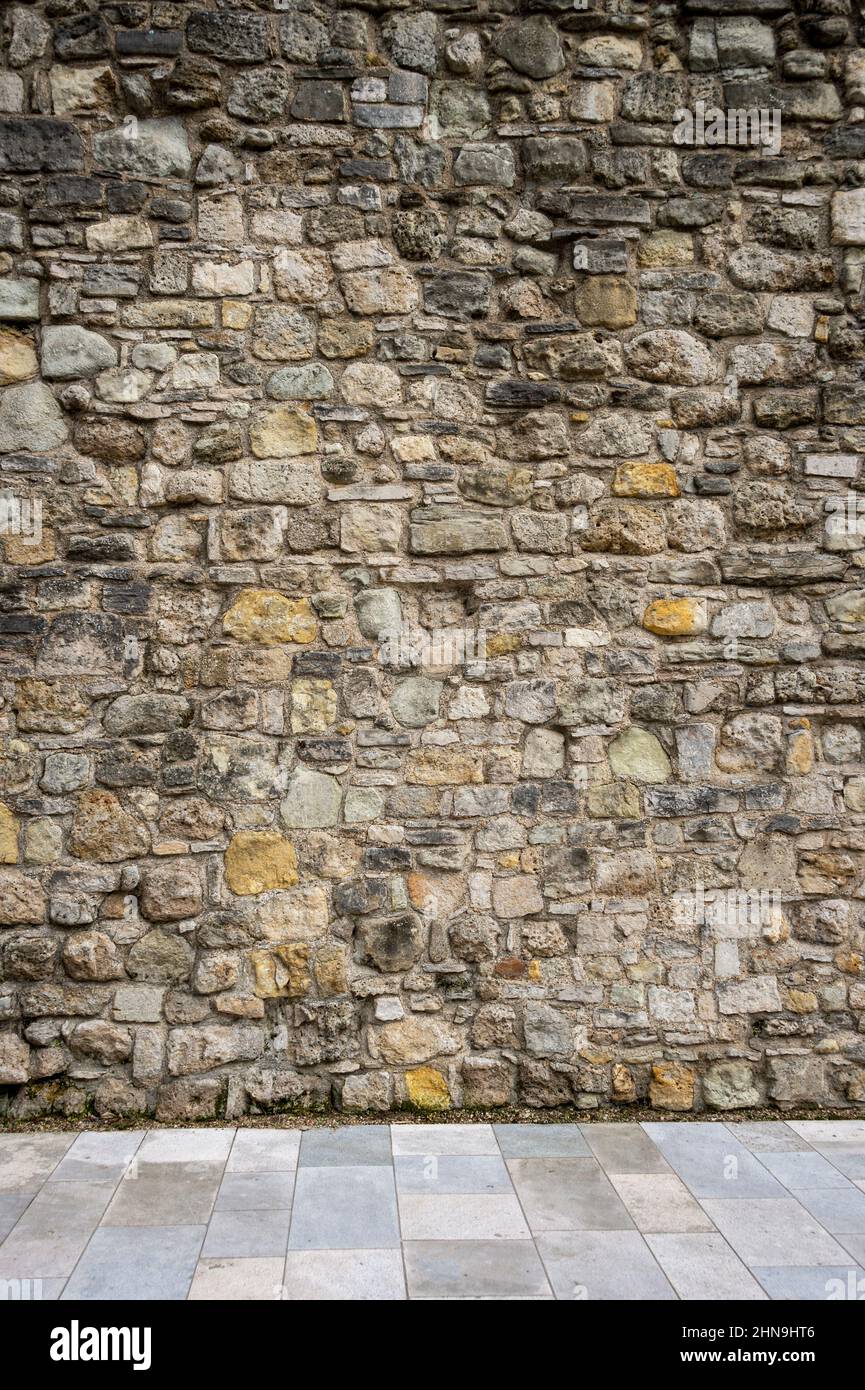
(603, 1211)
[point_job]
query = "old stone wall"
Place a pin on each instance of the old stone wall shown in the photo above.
(435, 674)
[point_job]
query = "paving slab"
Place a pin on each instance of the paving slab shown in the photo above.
(623, 1148)
(264, 1151)
(255, 1192)
(767, 1136)
(831, 1131)
(357, 1146)
(542, 1141)
(28, 1160)
(712, 1162)
(344, 1208)
(567, 1194)
(805, 1169)
(443, 1139)
(186, 1146)
(51, 1234)
(165, 1194)
(443, 1173)
(236, 1234)
(460, 1216)
(12, 1206)
(602, 1265)
(702, 1266)
(99, 1156)
(471, 1269)
(774, 1231)
(240, 1280)
(840, 1209)
(141, 1263)
(660, 1202)
(342, 1275)
(819, 1283)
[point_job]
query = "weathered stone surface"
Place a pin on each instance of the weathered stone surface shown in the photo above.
(257, 860)
(431, 557)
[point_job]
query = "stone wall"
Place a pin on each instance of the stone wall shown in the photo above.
(437, 678)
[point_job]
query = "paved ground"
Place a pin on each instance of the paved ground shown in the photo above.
(606, 1211)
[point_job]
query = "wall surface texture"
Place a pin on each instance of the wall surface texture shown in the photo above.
(435, 674)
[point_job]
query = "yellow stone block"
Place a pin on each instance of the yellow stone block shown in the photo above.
(281, 973)
(18, 359)
(675, 617)
(257, 860)
(313, 706)
(624, 1086)
(269, 617)
(280, 432)
(645, 480)
(427, 1089)
(671, 1086)
(664, 248)
(9, 826)
(502, 643)
(330, 970)
(802, 1001)
(800, 753)
(443, 767)
(604, 301)
(235, 314)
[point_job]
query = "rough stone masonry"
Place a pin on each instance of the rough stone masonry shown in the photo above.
(436, 676)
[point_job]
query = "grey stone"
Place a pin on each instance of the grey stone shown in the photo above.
(70, 351)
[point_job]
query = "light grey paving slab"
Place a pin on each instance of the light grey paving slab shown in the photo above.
(51, 1234)
(12, 1206)
(855, 1246)
(712, 1163)
(774, 1231)
(815, 1283)
(443, 1139)
(28, 1160)
(344, 1275)
(141, 1263)
(660, 1202)
(567, 1194)
(840, 1210)
(238, 1280)
(767, 1136)
(461, 1216)
(255, 1192)
(355, 1145)
(702, 1266)
(608, 1265)
(98, 1156)
(186, 1146)
(165, 1194)
(806, 1169)
(542, 1141)
(455, 1269)
(264, 1151)
(344, 1208)
(234, 1234)
(442, 1173)
(849, 1159)
(830, 1131)
(624, 1148)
